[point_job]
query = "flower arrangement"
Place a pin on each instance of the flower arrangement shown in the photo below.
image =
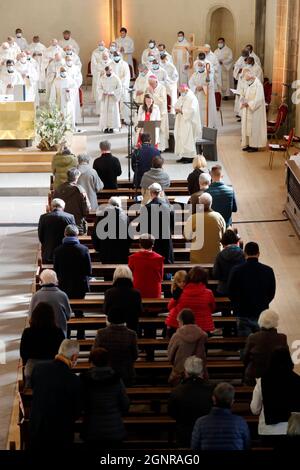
(51, 127)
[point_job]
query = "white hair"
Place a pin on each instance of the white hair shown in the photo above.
(193, 366)
(68, 348)
(48, 276)
(83, 158)
(206, 200)
(268, 319)
(122, 272)
(56, 202)
(115, 201)
(204, 179)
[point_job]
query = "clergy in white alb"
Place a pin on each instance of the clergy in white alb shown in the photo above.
(38, 51)
(215, 65)
(109, 93)
(254, 121)
(141, 83)
(96, 64)
(172, 84)
(121, 69)
(53, 49)
(255, 68)
(160, 73)
(69, 41)
(181, 56)
(70, 52)
(163, 51)
(75, 72)
(13, 47)
(9, 78)
(20, 40)
(159, 94)
(239, 66)
(225, 58)
(30, 77)
(150, 49)
(187, 123)
(202, 85)
(249, 47)
(64, 93)
(6, 53)
(53, 71)
(126, 48)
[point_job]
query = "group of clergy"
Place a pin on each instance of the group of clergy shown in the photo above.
(55, 70)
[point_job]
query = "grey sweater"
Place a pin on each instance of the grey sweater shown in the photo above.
(155, 175)
(91, 183)
(58, 300)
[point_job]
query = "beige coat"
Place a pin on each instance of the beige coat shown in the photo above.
(205, 230)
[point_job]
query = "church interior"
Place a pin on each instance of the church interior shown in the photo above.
(248, 100)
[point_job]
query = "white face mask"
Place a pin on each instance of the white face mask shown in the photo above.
(155, 67)
(220, 45)
(19, 35)
(150, 58)
(10, 69)
(101, 48)
(151, 45)
(69, 64)
(180, 38)
(183, 93)
(201, 69)
(23, 60)
(63, 74)
(113, 48)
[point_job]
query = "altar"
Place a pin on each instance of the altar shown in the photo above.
(17, 120)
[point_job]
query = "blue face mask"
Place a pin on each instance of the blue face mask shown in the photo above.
(180, 38)
(101, 48)
(63, 74)
(150, 58)
(117, 59)
(155, 67)
(201, 69)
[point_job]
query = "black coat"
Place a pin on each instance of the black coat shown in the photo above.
(123, 296)
(56, 404)
(228, 258)
(193, 181)
(108, 168)
(51, 231)
(40, 343)
(141, 161)
(112, 249)
(72, 264)
(161, 226)
(251, 287)
(104, 402)
(190, 400)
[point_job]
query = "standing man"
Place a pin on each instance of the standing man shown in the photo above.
(109, 95)
(9, 78)
(180, 55)
(68, 41)
(187, 125)
(202, 85)
(38, 51)
(151, 49)
(163, 51)
(251, 288)
(89, 180)
(121, 69)
(254, 120)
(64, 94)
(172, 82)
(96, 64)
(225, 58)
(141, 84)
(252, 54)
(126, 47)
(20, 40)
(107, 166)
(223, 197)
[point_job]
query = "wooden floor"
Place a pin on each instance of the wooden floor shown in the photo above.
(261, 196)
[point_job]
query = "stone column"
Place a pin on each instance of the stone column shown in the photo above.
(260, 29)
(115, 11)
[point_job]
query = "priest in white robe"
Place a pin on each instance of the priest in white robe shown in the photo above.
(172, 84)
(202, 84)
(69, 52)
(69, 41)
(160, 73)
(9, 78)
(126, 48)
(30, 77)
(110, 93)
(96, 64)
(255, 68)
(187, 125)
(6, 53)
(53, 71)
(75, 73)
(20, 40)
(13, 47)
(99, 71)
(213, 60)
(239, 66)
(252, 54)
(63, 93)
(163, 51)
(38, 51)
(181, 56)
(53, 49)
(254, 121)
(225, 58)
(150, 49)
(121, 69)
(159, 94)
(141, 84)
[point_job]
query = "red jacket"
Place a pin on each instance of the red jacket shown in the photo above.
(199, 299)
(148, 271)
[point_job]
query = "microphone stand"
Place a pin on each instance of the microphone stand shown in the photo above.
(132, 106)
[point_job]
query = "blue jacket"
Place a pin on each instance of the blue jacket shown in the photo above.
(142, 161)
(220, 430)
(223, 200)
